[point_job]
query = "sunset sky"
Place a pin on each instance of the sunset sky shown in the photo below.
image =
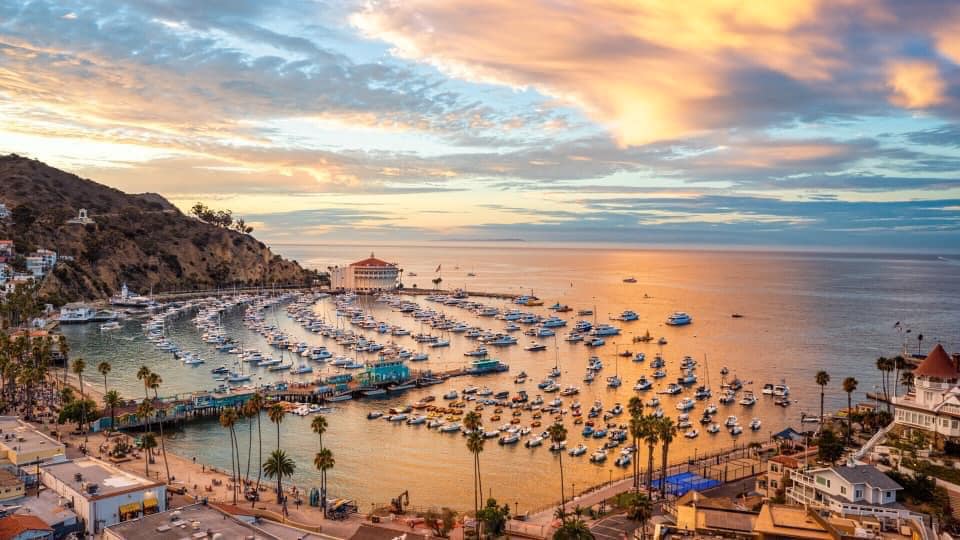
(803, 123)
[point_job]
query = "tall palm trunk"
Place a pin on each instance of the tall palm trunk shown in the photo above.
(663, 468)
(821, 406)
(849, 417)
(649, 468)
(249, 446)
(163, 446)
(259, 456)
(636, 467)
(233, 466)
(563, 499)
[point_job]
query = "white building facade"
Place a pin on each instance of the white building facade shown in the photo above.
(851, 490)
(934, 405)
(366, 276)
(101, 494)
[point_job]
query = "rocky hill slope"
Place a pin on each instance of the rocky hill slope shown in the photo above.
(142, 240)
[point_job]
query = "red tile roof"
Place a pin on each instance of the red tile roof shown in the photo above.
(937, 364)
(17, 524)
(372, 261)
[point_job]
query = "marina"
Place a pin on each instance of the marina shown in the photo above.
(392, 323)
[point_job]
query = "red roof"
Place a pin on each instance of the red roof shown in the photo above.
(937, 364)
(372, 261)
(17, 524)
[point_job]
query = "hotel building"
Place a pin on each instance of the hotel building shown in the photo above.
(367, 276)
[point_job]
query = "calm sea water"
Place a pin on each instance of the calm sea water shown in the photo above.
(802, 312)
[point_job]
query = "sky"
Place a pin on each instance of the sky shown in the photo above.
(792, 124)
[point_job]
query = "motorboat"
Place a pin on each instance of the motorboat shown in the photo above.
(450, 428)
(303, 369)
(628, 315)
(479, 351)
(692, 434)
(730, 421)
(599, 456)
(748, 399)
(711, 409)
(510, 438)
(373, 415)
(640, 357)
(595, 342)
(623, 460)
(755, 424)
(679, 318)
(578, 450)
(630, 280)
(672, 389)
(614, 381)
(781, 390)
(570, 391)
(642, 384)
(659, 374)
(604, 330)
(767, 389)
(420, 357)
(534, 346)
(685, 404)
(573, 337)
(533, 442)
(558, 446)
(736, 430)
(440, 343)
(662, 341)
(451, 395)
(588, 378)
(713, 428)
(702, 392)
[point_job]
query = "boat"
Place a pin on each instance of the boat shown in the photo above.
(781, 390)
(417, 420)
(662, 341)
(451, 395)
(755, 424)
(479, 351)
(711, 409)
(604, 330)
(594, 342)
(570, 391)
(420, 357)
(534, 346)
(450, 428)
(302, 369)
(767, 389)
(627, 316)
(222, 370)
(692, 434)
(510, 438)
(685, 404)
(642, 384)
(599, 456)
(440, 343)
(640, 357)
(736, 430)
(623, 460)
(679, 318)
(533, 442)
(782, 402)
(578, 450)
(748, 399)
(110, 326)
(614, 381)
(373, 415)
(375, 392)
(713, 428)
(730, 421)
(630, 280)
(237, 378)
(558, 446)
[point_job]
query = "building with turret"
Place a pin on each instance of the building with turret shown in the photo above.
(934, 405)
(367, 276)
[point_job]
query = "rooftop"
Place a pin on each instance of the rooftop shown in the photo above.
(109, 479)
(789, 521)
(19, 437)
(937, 364)
(47, 505)
(186, 522)
(12, 526)
(867, 474)
(372, 261)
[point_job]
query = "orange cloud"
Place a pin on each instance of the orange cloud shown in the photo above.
(915, 84)
(646, 68)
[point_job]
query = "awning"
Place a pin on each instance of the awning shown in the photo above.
(150, 502)
(130, 508)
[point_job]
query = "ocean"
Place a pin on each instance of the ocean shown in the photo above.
(801, 312)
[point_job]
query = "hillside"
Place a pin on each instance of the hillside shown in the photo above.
(142, 240)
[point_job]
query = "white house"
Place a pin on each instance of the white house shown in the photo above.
(41, 261)
(853, 489)
(934, 405)
(76, 312)
(103, 495)
(369, 275)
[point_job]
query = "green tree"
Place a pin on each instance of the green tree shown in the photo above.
(640, 509)
(475, 440)
(829, 446)
(651, 436)
(494, 518)
(441, 522)
(558, 434)
(148, 442)
(822, 379)
(79, 365)
(143, 374)
(279, 465)
(666, 431)
(850, 386)
(573, 529)
(256, 403)
(319, 426)
(276, 414)
(324, 461)
(638, 430)
(112, 400)
(228, 419)
(104, 369)
(154, 381)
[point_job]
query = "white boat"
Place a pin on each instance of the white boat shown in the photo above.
(781, 390)
(479, 351)
(679, 318)
(441, 343)
(748, 399)
(110, 326)
(578, 450)
(627, 316)
(642, 384)
(451, 395)
(614, 381)
(731, 421)
(603, 330)
(755, 424)
(691, 434)
(510, 438)
(534, 442)
(713, 428)
(685, 404)
(599, 456)
(736, 430)
(534, 346)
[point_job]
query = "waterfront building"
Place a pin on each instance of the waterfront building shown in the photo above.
(23, 527)
(76, 312)
(934, 406)
(128, 298)
(102, 494)
(81, 219)
(384, 371)
(50, 508)
(208, 520)
(708, 516)
(849, 490)
(21, 444)
(366, 276)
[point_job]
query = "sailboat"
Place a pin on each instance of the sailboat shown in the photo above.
(614, 381)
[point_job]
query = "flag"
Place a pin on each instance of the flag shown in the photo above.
(897, 325)
(438, 268)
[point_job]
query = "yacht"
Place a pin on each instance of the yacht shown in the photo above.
(627, 316)
(440, 343)
(605, 330)
(510, 438)
(642, 384)
(614, 381)
(713, 428)
(755, 424)
(578, 450)
(781, 390)
(685, 404)
(730, 421)
(599, 456)
(595, 342)
(451, 395)
(534, 346)
(736, 430)
(573, 337)
(748, 399)
(420, 357)
(479, 351)
(534, 442)
(692, 434)
(679, 318)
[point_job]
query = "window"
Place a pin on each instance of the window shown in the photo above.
(843, 490)
(773, 484)
(858, 493)
(774, 467)
(889, 494)
(821, 480)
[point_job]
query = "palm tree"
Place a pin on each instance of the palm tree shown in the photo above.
(823, 379)
(558, 434)
(276, 413)
(78, 366)
(279, 465)
(319, 426)
(849, 386)
(64, 349)
(256, 403)
(471, 422)
(573, 529)
(640, 509)
(144, 410)
(228, 419)
(899, 364)
(919, 342)
(324, 461)
(637, 432)
(666, 430)
(248, 411)
(143, 374)
(907, 380)
(650, 436)
(104, 368)
(154, 381)
(147, 443)
(112, 399)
